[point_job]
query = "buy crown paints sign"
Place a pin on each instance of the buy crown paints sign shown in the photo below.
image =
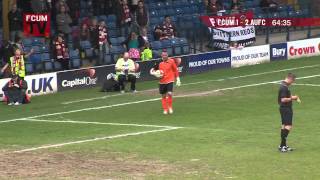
(303, 48)
(37, 25)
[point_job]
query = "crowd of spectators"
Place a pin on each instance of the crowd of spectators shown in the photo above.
(132, 20)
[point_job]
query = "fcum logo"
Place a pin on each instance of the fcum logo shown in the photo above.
(278, 52)
(36, 25)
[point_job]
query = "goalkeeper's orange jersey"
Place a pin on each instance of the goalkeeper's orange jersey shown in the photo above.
(170, 71)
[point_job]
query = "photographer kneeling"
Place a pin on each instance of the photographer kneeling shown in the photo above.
(125, 70)
(15, 91)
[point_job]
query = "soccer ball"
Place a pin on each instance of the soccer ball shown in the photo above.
(157, 73)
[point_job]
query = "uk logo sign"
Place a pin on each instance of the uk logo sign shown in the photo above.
(36, 25)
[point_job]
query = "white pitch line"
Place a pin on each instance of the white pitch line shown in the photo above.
(94, 139)
(312, 85)
(157, 99)
(7, 121)
(99, 123)
(194, 83)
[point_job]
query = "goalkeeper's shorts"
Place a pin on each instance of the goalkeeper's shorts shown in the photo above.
(165, 88)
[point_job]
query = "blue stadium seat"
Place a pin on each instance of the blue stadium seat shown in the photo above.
(39, 67)
(45, 57)
(160, 5)
(121, 39)
(111, 25)
(185, 46)
(171, 12)
(36, 49)
(27, 42)
(35, 58)
(74, 54)
(176, 46)
(166, 44)
(114, 41)
(89, 53)
(45, 49)
(153, 13)
(112, 18)
(113, 33)
(85, 44)
(108, 59)
(57, 66)
(48, 66)
(37, 41)
(102, 18)
(29, 68)
(156, 45)
(75, 63)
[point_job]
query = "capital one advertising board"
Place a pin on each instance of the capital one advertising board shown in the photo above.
(303, 48)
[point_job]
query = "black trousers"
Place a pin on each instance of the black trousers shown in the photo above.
(15, 95)
(127, 78)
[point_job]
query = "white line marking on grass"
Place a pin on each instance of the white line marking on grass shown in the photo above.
(98, 123)
(157, 99)
(312, 85)
(8, 121)
(194, 83)
(95, 139)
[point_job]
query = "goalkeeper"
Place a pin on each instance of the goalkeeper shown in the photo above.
(167, 72)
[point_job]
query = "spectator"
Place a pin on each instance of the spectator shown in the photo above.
(158, 35)
(15, 91)
(63, 21)
(61, 51)
(39, 6)
(15, 22)
(84, 32)
(125, 70)
(141, 16)
(146, 54)
(235, 9)
(104, 41)
(134, 5)
(143, 38)
(214, 6)
(125, 18)
(268, 5)
(62, 3)
(16, 63)
(168, 28)
(235, 45)
(94, 34)
(132, 46)
(7, 51)
(74, 6)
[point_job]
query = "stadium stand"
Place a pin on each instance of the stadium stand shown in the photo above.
(184, 14)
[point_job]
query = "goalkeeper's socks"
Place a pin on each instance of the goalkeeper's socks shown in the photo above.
(169, 100)
(164, 104)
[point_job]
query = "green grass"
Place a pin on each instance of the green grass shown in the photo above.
(231, 134)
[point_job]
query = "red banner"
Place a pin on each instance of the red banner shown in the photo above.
(36, 25)
(234, 20)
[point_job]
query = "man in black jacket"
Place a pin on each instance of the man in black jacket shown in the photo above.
(15, 91)
(15, 22)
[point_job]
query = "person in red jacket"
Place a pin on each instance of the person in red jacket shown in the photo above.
(62, 54)
(168, 74)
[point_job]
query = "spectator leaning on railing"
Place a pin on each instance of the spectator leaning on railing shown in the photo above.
(94, 34)
(125, 70)
(15, 22)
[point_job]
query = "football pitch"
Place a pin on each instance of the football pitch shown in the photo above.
(225, 126)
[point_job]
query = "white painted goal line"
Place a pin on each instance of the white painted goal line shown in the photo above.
(194, 83)
(155, 99)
